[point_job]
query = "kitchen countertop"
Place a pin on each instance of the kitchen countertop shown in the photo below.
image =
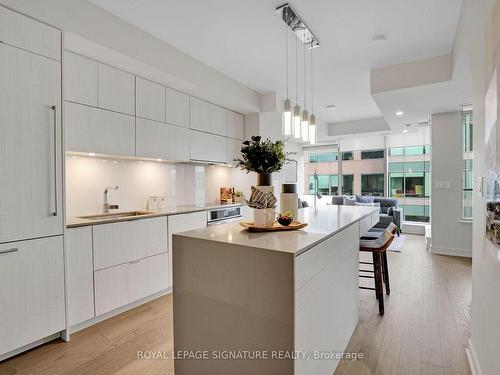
(73, 222)
(323, 223)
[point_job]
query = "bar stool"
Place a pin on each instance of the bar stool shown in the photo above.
(377, 245)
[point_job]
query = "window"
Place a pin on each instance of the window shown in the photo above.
(468, 170)
(327, 184)
(372, 154)
(418, 213)
(327, 157)
(372, 184)
(347, 184)
(347, 155)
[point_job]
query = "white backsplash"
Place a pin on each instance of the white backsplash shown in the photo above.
(86, 178)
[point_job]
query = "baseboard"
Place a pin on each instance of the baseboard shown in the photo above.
(79, 326)
(451, 251)
(472, 359)
(29, 346)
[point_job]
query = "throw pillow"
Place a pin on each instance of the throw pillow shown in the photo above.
(348, 201)
(336, 200)
(364, 198)
(367, 204)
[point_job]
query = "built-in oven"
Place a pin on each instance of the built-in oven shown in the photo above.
(223, 215)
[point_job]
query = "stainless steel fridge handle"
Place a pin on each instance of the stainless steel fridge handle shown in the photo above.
(55, 212)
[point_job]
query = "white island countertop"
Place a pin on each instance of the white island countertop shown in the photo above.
(323, 223)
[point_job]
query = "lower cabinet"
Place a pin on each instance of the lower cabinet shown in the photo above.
(182, 223)
(31, 292)
(123, 284)
(80, 279)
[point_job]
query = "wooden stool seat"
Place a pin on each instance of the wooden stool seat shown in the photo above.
(378, 248)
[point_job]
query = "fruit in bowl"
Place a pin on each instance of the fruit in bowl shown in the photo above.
(286, 218)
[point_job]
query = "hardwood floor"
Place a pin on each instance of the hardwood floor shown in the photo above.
(423, 331)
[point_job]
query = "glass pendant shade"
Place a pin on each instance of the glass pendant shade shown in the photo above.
(304, 131)
(296, 121)
(287, 117)
(312, 129)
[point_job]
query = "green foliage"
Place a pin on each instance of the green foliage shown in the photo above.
(262, 156)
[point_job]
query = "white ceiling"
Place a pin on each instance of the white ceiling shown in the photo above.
(246, 41)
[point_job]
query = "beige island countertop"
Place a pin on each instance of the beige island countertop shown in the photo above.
(323, 223)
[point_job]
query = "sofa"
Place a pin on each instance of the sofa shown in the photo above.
(390, 212)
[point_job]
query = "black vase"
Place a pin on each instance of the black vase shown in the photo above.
(264, 179)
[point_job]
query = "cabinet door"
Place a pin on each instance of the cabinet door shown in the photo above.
(116, 90)
(28, 34)
(32, 292)
(80, 75)
(177, 105)
(208, 147)
(199, 114)
(127, 241)
(182, 223)
(218, 120)
(233, 150)
(235, 125)
(30, 145)
(96, 130)
(150, 99)
(80, 280)
(148, 276)
(159, 140)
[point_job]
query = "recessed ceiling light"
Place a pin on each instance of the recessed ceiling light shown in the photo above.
(159, 159)
(331, 106)
(91, 153)
(399, 113)
(379, 38)
(405, 130)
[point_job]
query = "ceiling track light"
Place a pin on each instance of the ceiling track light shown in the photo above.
(298, 26)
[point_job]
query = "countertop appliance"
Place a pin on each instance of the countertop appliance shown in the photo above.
(223, 215)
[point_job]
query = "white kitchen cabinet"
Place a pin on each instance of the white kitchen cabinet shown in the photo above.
(150, 99)
(208, 147)
(30, 35)
(177, 108)
(32, 292)
(128, 241)
(99, 131)
(199, 114)
(159, 140)
(235, 125)
(116, 89)
(30, 145)
(233, 150)
(80, 75)
(182, 223)
(126, 283)
(218, 120)
(80, 271)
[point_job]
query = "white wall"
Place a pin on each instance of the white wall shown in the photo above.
(485, 336)
(175, 68)
(449, 234)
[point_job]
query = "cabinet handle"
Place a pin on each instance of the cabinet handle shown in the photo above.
(55, 212)
(13, 250)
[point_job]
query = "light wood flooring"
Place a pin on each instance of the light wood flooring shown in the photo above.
(424, 330)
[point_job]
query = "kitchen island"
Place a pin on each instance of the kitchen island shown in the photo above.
(268, 303)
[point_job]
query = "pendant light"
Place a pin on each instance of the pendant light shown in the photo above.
(287, 104)
(296, 108)
(312, 118)
(304, 130)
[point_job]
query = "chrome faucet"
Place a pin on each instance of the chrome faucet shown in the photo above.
(105, 205)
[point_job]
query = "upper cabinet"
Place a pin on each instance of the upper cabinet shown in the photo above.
(116, 90)
(30, 35)
(150, 100)
(80, 75)
(218, 120)
(200, 114)
(235, 125)
(177, 108)
(90, 129)
(208, 147)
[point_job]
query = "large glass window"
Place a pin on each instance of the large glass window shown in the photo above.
(347, 155)
(372, 154)
(347, 184)
(372, 184)
(327, 184)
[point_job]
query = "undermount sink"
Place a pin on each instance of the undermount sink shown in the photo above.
(117, 215)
